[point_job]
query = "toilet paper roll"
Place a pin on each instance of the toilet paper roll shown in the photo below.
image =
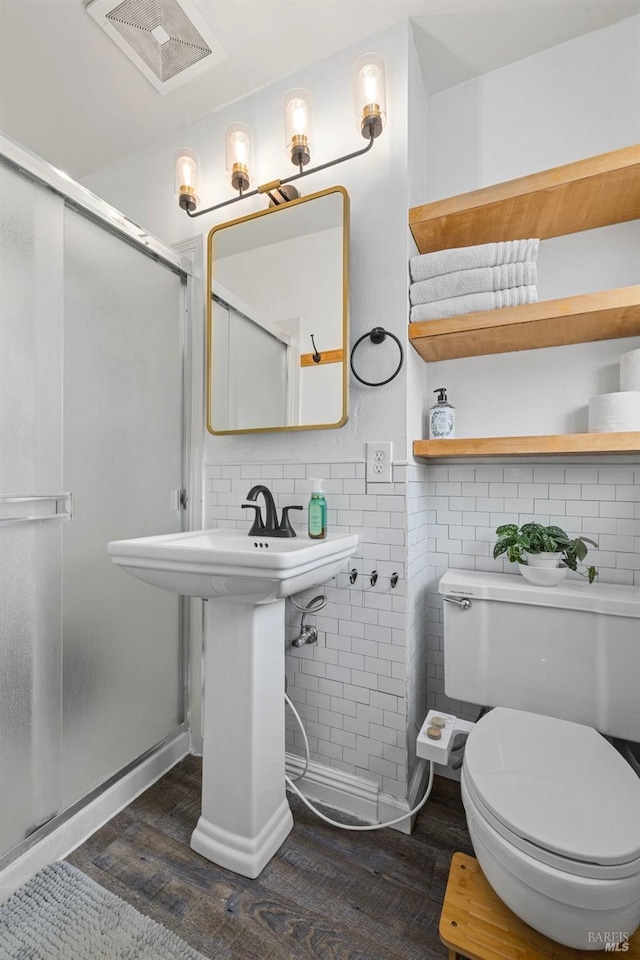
(630, 370)
(614, 412)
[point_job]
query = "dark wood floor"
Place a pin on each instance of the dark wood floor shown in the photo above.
(326, 894)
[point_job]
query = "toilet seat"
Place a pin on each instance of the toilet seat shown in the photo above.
(578, 868)
(557, 791)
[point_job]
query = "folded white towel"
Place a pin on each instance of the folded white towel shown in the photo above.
(474, 303)
(480, 280)
(429, 265)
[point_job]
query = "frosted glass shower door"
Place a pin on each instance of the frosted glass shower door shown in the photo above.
(122, 652)
(31, 226)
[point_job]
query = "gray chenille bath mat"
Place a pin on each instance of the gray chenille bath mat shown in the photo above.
(61, 914)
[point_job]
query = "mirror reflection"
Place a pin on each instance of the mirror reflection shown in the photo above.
(278, 317)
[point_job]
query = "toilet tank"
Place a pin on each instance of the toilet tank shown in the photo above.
(571, 651)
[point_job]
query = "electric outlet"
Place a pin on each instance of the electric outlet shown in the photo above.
(379, 461)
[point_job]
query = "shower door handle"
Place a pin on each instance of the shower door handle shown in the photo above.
(63, 508)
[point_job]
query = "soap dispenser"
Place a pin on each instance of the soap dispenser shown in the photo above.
(317, 512)
(442, 418)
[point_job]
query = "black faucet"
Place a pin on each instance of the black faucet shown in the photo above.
(270, 528)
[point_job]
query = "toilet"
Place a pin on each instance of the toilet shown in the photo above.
(553, 809)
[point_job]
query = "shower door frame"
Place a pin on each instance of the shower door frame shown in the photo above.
(94, 208)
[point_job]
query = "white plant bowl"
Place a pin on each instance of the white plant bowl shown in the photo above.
(544, 559)
(544, 576)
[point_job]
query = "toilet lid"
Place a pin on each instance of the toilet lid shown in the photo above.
(558, 784)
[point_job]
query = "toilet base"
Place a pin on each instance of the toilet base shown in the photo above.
(582, 927)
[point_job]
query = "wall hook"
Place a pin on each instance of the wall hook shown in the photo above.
(317, 357)
(373, 579)
(394, 580)
(353, 575)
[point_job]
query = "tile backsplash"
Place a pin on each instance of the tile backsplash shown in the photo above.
(365, 687)
(465, 504)
(360, 689)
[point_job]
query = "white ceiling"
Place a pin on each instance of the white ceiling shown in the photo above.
(69, 94)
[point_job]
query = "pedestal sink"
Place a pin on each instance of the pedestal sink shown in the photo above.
(245, 814)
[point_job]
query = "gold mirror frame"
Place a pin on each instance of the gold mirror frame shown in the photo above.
(273, 211)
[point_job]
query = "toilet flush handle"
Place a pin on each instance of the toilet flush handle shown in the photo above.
(464, 603)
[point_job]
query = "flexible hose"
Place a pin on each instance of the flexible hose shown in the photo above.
(312, 607)
(368, 826)
(306, 741)
(334, 823)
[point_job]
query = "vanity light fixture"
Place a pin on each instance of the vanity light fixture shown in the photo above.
(371, 117)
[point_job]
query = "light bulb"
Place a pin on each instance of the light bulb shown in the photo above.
(370, 95)
(239, 151)
(187, 172)
(297, 126)
(239, 145)
(299, 116)
(187, 178)
(370, 77)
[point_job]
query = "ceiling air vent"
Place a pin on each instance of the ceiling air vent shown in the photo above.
(169, 41)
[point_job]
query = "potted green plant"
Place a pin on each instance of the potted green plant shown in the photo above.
(545, 554)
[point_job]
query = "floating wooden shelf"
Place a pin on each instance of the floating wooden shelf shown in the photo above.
(577, 196)
(568, 443)
(608, 315)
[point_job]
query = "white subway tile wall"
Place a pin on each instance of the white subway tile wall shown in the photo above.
(466, 504)
(361, 690)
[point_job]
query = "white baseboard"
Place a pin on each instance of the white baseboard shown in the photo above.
(339, 789)
(74, 831)
(354, 795)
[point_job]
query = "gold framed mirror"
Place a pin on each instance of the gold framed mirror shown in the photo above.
(278, 317)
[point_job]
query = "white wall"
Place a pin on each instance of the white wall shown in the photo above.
(141, 185)
(567, 103)
(573, 101)
(361, 652)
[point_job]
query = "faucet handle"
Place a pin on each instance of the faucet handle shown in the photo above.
(285, 523)
(258, 523)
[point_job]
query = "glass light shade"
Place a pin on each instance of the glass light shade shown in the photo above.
(187, 178)
(370, 94)
(298, 125)
(239, 147)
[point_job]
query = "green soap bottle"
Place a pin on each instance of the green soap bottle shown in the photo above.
(317, 512)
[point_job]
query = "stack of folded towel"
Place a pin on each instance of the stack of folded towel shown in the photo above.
(470, 279)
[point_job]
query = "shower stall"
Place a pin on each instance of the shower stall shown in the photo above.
(93, 434)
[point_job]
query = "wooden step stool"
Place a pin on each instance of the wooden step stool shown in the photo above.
(476, 925)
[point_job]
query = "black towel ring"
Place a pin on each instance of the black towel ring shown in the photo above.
(377, 335)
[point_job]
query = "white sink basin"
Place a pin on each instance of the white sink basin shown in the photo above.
(228, 563)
